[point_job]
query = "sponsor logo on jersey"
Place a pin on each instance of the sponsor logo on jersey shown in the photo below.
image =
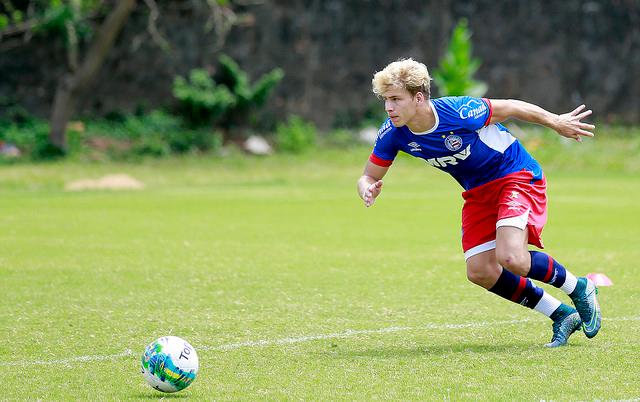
(453, 142)
(450, 160)
(471, 109)
(414, 146)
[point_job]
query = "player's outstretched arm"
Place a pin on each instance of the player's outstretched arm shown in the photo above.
(568, 125)
(370, 183)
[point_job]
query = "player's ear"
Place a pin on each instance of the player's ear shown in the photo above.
(419, 97)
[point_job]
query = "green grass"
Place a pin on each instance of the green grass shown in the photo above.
(232, 251)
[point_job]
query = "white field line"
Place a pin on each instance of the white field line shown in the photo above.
(354, 332)
(290, 340)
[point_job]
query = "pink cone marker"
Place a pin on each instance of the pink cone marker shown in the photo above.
(600, 279)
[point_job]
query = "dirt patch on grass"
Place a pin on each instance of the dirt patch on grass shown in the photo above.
(109, 182)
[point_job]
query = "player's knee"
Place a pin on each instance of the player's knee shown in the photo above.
(515, 262)
(474, 276)
(481, 275)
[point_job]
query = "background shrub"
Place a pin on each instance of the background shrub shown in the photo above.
(31, 137)
(454, 75)
(296, 136)
(227, 100)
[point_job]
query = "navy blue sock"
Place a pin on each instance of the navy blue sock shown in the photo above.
(546, 269)
(517, 289)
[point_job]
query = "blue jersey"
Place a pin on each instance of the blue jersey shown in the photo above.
(461, 143)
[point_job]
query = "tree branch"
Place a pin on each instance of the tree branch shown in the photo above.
(152, 27)
(221, 19)
(72, 85)
(104, 40)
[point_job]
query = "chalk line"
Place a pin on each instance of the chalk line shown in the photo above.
(289, 340)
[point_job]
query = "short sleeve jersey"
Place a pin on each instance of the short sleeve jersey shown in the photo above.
(461, 143)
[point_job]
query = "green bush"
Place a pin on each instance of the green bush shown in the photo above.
(151, 144)
(190, 140)
(237, 81)
(201, 99)
(155, 134)
(296, 136)
(121, 136)
(454, 75)
(31, 137)
(227, 101)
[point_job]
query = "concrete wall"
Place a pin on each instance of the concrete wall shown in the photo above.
(553, 53)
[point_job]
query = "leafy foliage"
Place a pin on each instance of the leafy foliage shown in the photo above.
(51, 17)
(10, 14)
(31, 137)
(296, 136)
(454, 75)
(201, 99)
(237, 80)
(155, 134)
(228, 100)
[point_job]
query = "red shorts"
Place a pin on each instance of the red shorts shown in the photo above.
(513, 200)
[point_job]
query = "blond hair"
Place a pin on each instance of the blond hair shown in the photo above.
(404, 73)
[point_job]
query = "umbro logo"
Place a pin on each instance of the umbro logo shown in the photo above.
(414, 146)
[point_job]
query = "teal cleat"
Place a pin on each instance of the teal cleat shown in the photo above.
(585, 298)
(566, 321)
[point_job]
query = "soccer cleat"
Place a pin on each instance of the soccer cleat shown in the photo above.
(585, 298)
(566, 321)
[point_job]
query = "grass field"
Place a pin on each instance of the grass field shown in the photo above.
(289, 289)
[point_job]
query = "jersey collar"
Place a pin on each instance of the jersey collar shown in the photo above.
(435, 125)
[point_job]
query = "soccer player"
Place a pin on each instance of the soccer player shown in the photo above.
(505, 204)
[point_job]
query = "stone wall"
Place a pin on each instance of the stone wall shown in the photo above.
(556, 54)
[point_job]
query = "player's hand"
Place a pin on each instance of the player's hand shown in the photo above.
(370, 193)
(569, 124)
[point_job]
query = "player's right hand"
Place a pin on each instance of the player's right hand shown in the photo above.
(370, 193)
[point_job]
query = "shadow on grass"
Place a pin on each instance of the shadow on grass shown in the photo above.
(443, 350)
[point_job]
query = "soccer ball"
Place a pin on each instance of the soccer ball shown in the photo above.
(169, 364)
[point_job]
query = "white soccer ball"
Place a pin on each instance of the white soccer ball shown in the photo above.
(169, 364)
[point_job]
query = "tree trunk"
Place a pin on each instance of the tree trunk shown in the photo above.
(74, 84)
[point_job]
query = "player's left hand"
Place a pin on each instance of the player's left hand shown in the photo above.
(570, 125)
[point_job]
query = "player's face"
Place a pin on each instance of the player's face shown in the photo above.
(400, 106)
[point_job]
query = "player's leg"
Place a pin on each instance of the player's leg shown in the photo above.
(546, 269)
(484, 270)
(521, 217)
(479, 216)
(582, 291)
(511, 248)
(511, 253)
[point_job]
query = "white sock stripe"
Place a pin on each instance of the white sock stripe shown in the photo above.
(547, 304)
(569, 284)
